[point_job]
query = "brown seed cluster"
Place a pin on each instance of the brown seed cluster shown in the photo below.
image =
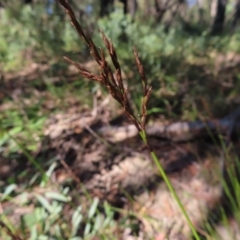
(109, 78)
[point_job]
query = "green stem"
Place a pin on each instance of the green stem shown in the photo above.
(169, 185)
(29, 157)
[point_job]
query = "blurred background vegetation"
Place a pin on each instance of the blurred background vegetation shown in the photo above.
(182, 44)
(189, 48)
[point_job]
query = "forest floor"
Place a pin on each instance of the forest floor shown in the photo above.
(50, 121)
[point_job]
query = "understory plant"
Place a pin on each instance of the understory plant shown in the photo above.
(113, 82)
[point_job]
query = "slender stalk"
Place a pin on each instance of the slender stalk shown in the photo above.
(29, 157)
(169, 185)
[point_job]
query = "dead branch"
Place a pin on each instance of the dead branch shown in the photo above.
(179, 131)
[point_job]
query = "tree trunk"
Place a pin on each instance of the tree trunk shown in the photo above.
(105, 7)
(236, 14)
(160, 9)
(129, 6)
(201, 10)
(132, 7)
(218, 22)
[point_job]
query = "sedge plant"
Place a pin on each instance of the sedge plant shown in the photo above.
(113, 82)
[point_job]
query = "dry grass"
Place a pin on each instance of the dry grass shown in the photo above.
(109, 78)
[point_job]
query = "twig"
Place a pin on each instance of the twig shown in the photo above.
(77, 180)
